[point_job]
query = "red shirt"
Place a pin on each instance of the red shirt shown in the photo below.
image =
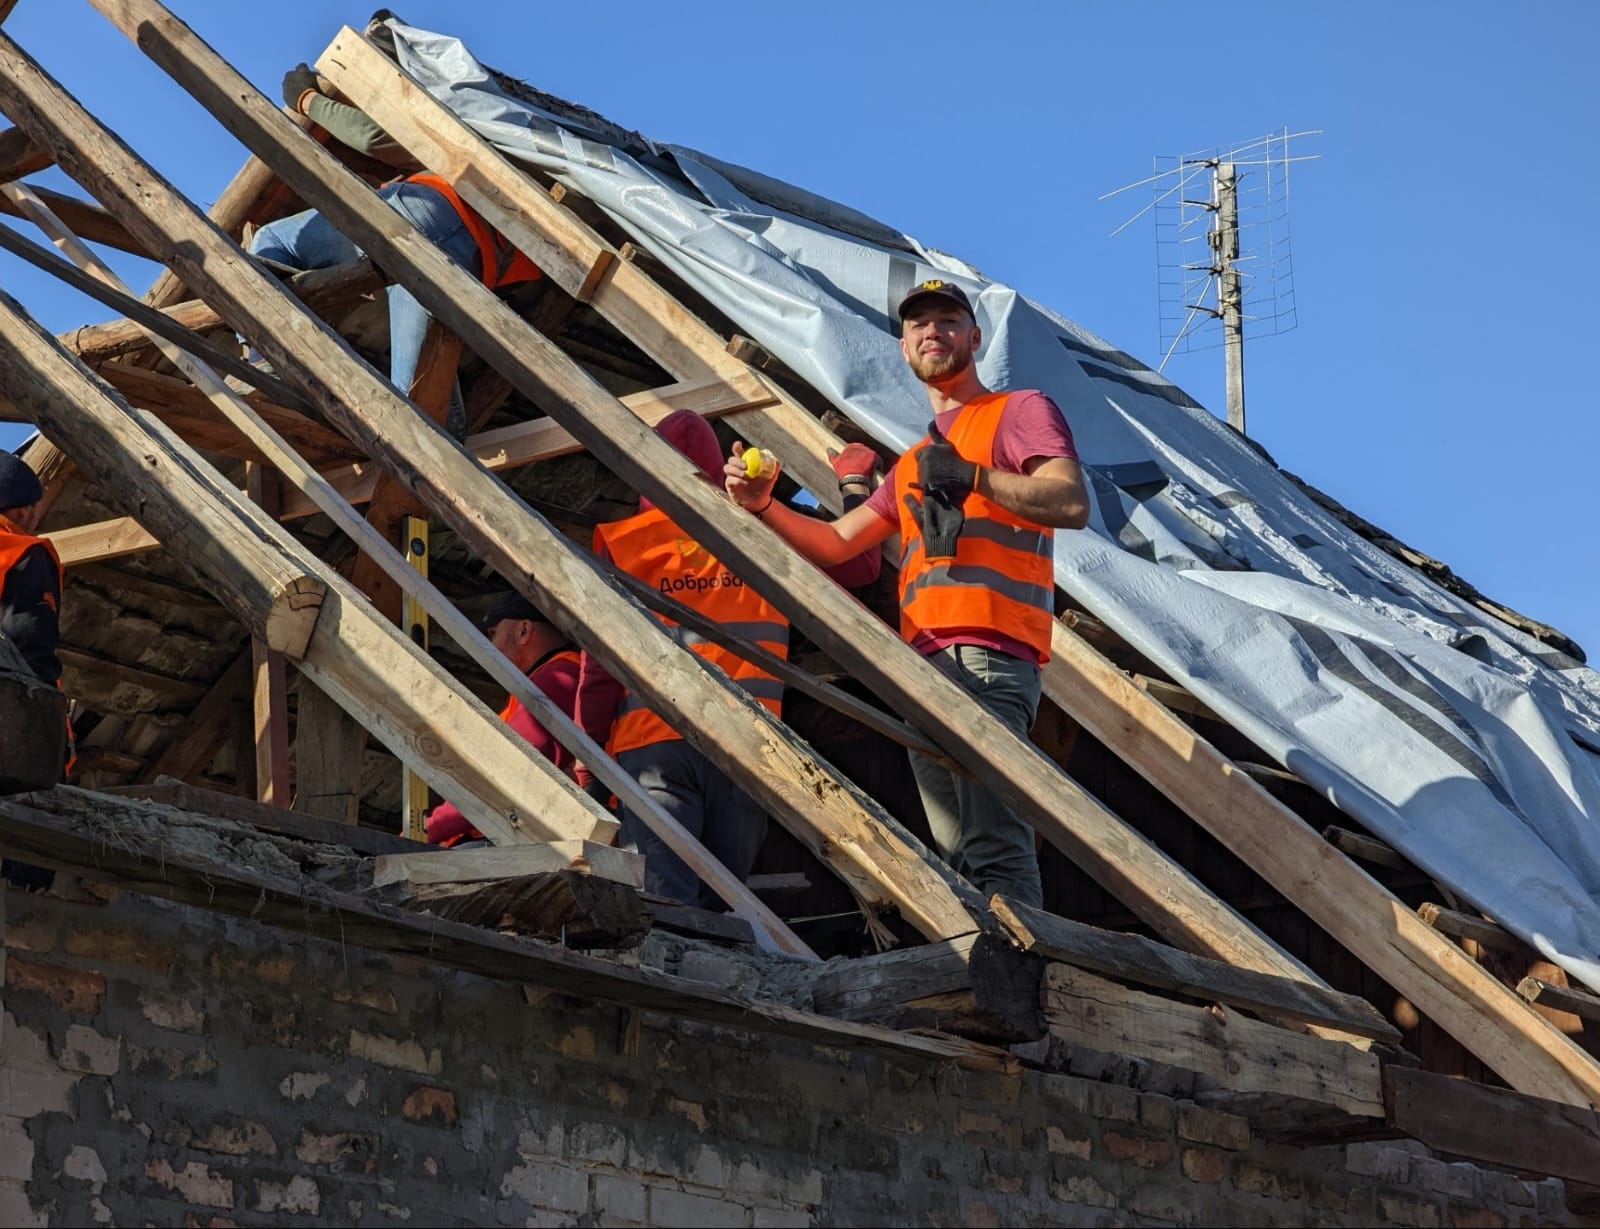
(1031, 427)
(557, 677)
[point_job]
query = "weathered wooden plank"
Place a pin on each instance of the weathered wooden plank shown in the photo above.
(117, 686)
(184, 796)
(1356, 844)
(196, 742)
(270, 684)
(142, 859)
(322, 290)
(102, 540)
(87, 221)
(328, 746)
(277, 589)
(1465, 926)
(1561, 998)
(1146, 963)
(565, 906)
(480, 865)
(1508, 1130)
(1444, 983)
(1115, 854)
(848, 831)
(1235, 1051)
(20, 156)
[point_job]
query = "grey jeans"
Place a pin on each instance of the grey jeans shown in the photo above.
(696, 794)
(974, 829)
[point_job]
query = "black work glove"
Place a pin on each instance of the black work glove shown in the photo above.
(296, 82)
(941, 519)
(941, 468)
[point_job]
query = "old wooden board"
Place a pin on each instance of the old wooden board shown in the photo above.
(566, 906)
(1246, 1055)
(1505, 1129)
(461, 866)
(144, 856)
(1561, 998)
(1462, 996)
(1144, 962)
(1468, 926)
(197, 800)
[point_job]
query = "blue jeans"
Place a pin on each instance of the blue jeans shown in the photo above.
(309, 241)
(974, 829)
(689, 788)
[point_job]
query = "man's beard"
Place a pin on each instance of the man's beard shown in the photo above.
(938, 368)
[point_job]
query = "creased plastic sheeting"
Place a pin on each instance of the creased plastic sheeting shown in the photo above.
(1466, 744)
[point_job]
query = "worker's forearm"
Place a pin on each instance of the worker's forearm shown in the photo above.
(1057, 502)
(817, 540)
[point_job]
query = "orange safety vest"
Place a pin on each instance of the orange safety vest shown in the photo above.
(13, 546)
(655, 550)
(1001, 577)
(513, 704)
(500, 263)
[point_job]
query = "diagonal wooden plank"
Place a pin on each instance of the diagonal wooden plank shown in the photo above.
(882, 862)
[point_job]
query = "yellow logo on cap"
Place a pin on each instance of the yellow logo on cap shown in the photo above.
(933, 283)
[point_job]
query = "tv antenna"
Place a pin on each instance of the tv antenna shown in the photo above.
(1243, 223)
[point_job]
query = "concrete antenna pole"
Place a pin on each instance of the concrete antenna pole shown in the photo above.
(1230, 294)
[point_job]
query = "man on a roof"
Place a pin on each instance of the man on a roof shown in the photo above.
(975, 503)
(542, 651)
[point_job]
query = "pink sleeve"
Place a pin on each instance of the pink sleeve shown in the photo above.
(559, 680)
(445, 821)
(1032, 426)
(881, 500)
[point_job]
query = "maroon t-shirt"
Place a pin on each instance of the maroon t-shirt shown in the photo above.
(1031, 426)
(557, 677)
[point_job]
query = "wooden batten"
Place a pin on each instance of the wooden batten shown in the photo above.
(486, 864)
(884, 865)
(87, 221)
(1232, 1050)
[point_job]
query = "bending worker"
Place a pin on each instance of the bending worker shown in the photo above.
(542, 651)
(309, 241)
(975, 504)
(688, 786)
(30, 572)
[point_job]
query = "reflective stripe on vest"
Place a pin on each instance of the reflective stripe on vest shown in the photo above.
(1001, 578)
(655, 550)
(499, 263)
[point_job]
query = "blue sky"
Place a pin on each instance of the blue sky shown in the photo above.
(1441, 279)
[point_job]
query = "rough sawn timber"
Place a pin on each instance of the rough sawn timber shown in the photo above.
(883, 863)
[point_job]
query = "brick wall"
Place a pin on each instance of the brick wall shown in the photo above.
(164, 1065)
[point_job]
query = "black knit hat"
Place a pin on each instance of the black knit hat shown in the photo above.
(19, 485)
(510, 605)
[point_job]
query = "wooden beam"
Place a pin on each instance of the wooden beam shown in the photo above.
(185, 796)
(328, 746)
(481, 865)
(322, 290)
(102, 540)
(277, 590)
(1356, 844)
(270, 680)
(147, 861)
(19, 156)
(190, 413)
(1560, 998)
(1507, 1130)
(195, 743)
(1236, 1052)
(742, 737)
(87, 221)
(1146, 963)
(122, 687)
(1128, 865)
(1465, 926)
(525, 443)
(1441, 980)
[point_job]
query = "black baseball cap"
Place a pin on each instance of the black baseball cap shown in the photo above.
(510, 605)
(19, 485)
(937, 288)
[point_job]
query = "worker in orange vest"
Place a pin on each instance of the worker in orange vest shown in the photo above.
(975, 502)
(688, 786)
(542, 651)
(430, 203)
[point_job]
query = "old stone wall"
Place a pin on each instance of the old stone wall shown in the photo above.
(163, 1065)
